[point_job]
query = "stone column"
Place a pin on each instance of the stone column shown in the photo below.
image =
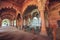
(41, 7)
(11, 23)
(54, 27)
(0, 22)
(21, 23)
(16, 23)
(43, 29)
(17, 19)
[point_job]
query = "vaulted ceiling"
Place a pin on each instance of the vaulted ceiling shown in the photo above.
(19, 4)
(16, 3)
(8, 13)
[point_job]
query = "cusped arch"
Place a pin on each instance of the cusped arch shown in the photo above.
(8, 13)
(35, 10)
(5, 22)
(7, 4)
(28, 3)
(29, 9)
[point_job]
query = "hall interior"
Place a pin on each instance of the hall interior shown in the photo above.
(40, 17)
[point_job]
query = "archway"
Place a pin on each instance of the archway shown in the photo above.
(32, 17)
(10, 14)
(5, 22)
(36, 19)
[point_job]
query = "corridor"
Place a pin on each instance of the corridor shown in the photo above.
(29, 19)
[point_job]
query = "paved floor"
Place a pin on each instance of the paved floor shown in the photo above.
(43, 38)
(14, 34)
(21, 36)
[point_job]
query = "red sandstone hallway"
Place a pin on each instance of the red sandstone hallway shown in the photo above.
(29, 19)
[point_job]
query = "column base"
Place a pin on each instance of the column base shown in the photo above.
(43, 33)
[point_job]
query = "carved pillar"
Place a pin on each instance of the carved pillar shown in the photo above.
(16, 19)
(43, 29)
(16, 23)
(54, 27)
(21, 23)
(11, 23)
(41, 7)
(0, 22)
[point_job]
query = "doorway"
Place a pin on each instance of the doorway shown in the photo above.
(5, 22)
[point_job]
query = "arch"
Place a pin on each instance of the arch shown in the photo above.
(8, 10)
(7, 17)
(5, 22)
(29, 20)
(36, 19)
(29, 9)
(8, 4)
(8, 13)
(35, 11)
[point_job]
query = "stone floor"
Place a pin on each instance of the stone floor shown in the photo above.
(41, 37)
(12, 33)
